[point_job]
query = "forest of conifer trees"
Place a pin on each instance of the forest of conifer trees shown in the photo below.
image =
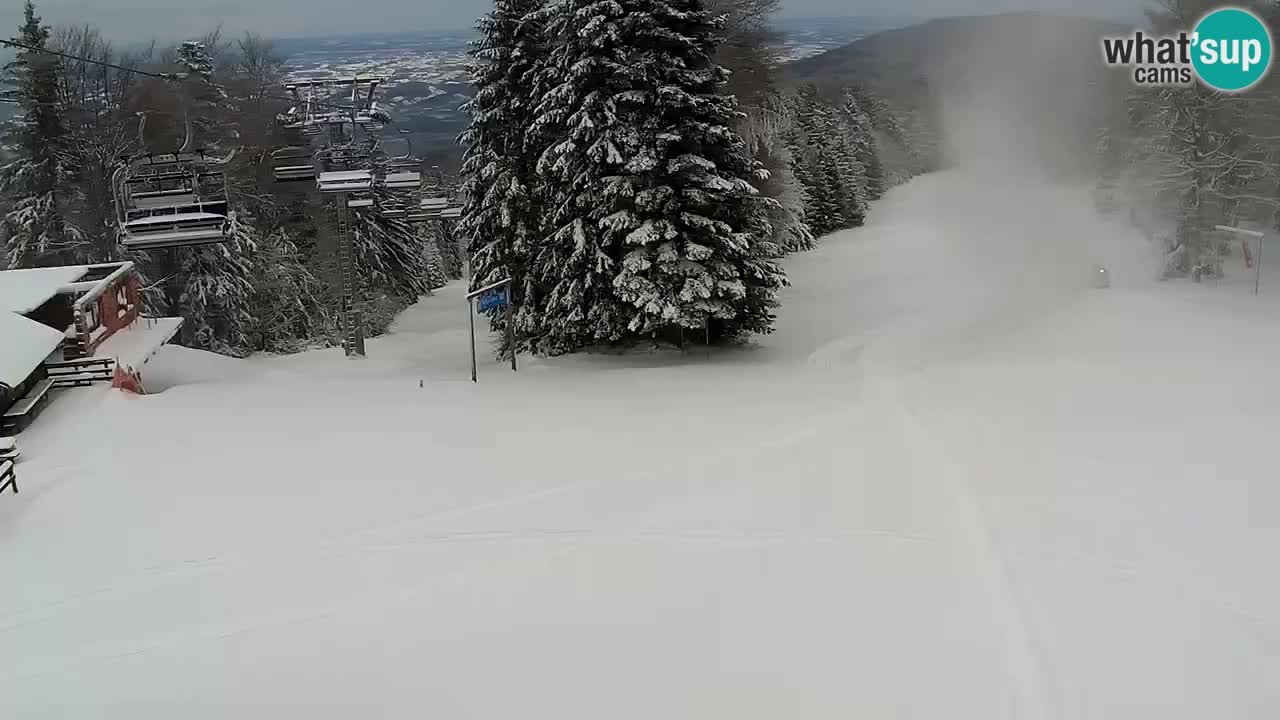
(641, 184)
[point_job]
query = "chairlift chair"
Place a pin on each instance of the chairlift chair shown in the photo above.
(348, 181)
(292, 163)
(392, 207)
(171, 200)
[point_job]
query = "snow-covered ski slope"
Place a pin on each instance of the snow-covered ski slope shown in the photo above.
(956, 483)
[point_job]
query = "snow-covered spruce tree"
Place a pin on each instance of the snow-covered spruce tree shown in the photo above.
(812, 150)
(1196, 157)
(751, 51)
(35, 231)
(850, 174)
(768, 132)
(907, 138)
(428, 240)
(288, 311)
(448, 245)
(383, 252)
(217, 288)
(500, 213)
(802, 171)
(862, 139)
(784, 199)
(1184, 134)
(391, 254)
(652, 204)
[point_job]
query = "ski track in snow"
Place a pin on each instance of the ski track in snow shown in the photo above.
(936, 491)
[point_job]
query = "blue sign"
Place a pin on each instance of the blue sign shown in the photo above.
(495, 299)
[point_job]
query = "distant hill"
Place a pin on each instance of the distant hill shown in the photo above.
(1021, 83)
(938, 48)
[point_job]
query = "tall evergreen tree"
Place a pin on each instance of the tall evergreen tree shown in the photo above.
(653, 221)
(35, 230)
(500, 187)
(832, 149)
(863, 142)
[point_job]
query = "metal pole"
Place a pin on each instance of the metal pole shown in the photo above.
(511, 331)
(1257, 271)
(471, 318)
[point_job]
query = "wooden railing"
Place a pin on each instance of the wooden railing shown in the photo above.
(81, 371)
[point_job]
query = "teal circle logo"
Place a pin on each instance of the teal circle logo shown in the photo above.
(1231, 49)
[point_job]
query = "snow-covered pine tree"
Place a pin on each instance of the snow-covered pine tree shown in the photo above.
(862, 139)
(1202, 153)
(35, 231)
(1179, 131)
(851, 175)
(216, 294)
(1263, 123)
(500, 187)
(751, 50)
(802, 170)
(449, 248)
(288, 311)
(651, 200)
(784, 198)
(428, 240)
(769, 135)
(390, 254)
(815, 167)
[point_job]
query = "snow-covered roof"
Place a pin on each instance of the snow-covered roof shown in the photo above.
(22, 291)
(24, 345)
(133, 346)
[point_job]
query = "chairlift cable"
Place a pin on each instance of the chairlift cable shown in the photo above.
(171, 77)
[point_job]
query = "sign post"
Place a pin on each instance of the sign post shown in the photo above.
(1257, 268)
(491, 297)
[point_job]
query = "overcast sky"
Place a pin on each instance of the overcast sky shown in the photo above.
(128, 20)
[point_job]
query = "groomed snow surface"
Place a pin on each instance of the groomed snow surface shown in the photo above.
(955, 483)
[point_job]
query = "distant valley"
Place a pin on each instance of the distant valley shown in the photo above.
(427, 80)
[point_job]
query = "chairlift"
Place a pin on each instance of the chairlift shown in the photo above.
(292, 163)
(347, 181)
(311, 112)
(171, 199)
(402, 180)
